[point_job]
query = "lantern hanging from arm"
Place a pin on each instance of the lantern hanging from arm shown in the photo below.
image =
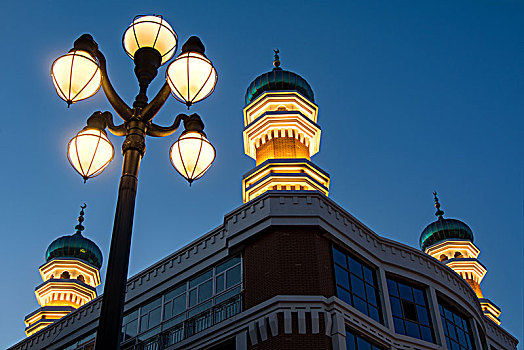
(153, 32)
(191, 76)
(76, 76)
(90, 151)
(192, 154)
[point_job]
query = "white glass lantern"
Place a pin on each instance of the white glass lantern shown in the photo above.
(191, 77)
(191, 155)
(150, 31)
(76, 76)
(89, 152)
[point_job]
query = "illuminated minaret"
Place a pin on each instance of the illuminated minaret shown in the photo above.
(451, 242)
(70, 274)
(281, 134)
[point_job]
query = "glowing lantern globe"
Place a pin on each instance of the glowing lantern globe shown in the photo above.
(191, 76)
(150, 31)
(89, 152)
(191, 155)
(76, 76)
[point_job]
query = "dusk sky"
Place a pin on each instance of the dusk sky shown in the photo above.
(414, 96)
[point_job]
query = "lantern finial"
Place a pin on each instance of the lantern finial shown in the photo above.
(439, 212)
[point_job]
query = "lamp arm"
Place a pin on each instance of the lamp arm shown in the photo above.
(162, 131)
(118, 104)
(154, 106)
(117, 130)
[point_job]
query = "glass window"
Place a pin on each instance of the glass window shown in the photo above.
(189, 299)
(457, 328)
(410, 310)
(356, 284)
(355, 342)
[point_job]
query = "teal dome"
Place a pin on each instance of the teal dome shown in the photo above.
(443, 229)
(277, 80)
(75, 246)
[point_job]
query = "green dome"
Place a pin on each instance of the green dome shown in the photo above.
(75, 246)
(443, 229)
(277, 80)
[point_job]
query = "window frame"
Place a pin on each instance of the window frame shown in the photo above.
(358, 277)
(427, 305)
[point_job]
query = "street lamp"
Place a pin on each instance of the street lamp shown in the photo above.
(150, 42)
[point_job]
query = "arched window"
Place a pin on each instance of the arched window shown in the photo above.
(81, 278)
(443, 257)
(65, 275)
(458, 255)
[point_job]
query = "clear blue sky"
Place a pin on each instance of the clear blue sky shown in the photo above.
(413, 96)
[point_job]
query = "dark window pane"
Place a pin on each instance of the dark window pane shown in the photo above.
(412, 329)
(371, 294)
(179, 304)
(448, 314)
(203, 307)
(399, 325)
(373, 313)
(131, 329)
(392, 287)
(344, 295)
(360, 304)
(462, 338)
(419, 296)
(451, 329)
(395, 307)
(225, 265)
(197, 280)
(422, 315)
(368, 274)
(233, 276)
(441, 309)
(154, 317)
(357, 286)
(230, 293)
(340, 258)
(150, 306)
(177, 291)
(355, 267)
(410, 311)
(363, 344)
(350, 341)
(341, 276)
(405, 292)
(205, 291)
(444, 326)
(426, 333)
(457, 320)
(455, 345)
(448, 343)
(192, 297)
(219, 283)
(168, 310)
(143, 323)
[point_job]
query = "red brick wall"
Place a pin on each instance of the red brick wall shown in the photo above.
(287, 261)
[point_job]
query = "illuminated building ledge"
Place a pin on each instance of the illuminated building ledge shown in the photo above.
(450, 246)
(75, 267)
(64, 292)
(467, 268)
(44, 316)
(287, 124)
(271, 101)
(284, 174)
(490, 310)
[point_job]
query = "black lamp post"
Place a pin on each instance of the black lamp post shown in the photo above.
(151, 42)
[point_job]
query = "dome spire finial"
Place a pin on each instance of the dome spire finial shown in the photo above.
(276, 62)
(439, 212)
(79, 228)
